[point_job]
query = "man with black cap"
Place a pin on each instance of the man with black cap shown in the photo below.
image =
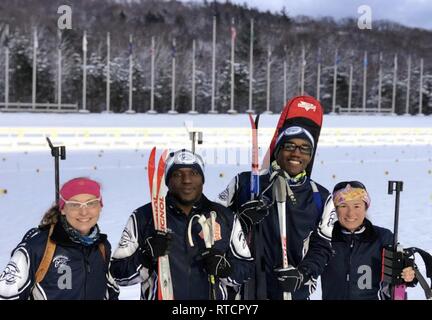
(199, 270)
(308, 212)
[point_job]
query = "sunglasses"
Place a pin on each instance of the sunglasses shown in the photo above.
(353, 184)
(291, 147)
(76, 205)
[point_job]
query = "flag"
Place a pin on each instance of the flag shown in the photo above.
(365, 60)
(173, 48)
(233, 30)
(269, 52)
(319, 59)
(130, 46)
(84, 44)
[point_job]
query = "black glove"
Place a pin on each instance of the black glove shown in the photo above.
(290, 279)
(157, 245)
(215, 262)
(252, 212)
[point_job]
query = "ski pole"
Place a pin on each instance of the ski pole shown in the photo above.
(57, 152)
(280, 193)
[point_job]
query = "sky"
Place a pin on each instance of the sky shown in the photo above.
(413, 13)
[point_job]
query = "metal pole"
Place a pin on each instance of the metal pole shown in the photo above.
(421, 88)
(380, 82)
(84, 88)
(250, 110)
(108, 73)
(407, 100)
(212, 110)
(350, 83)
(59, 78)
(233, 36)
(334, 83)
(130, 110)
(394, 84)
(34, 75)
(7, 68)
(285, 81)
(268, 80)
(193, 111)
(173, 77)
(152, 110)
(318, 75)
(365, 64)
(303, 65)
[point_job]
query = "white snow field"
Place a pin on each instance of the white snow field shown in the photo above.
(114, 148)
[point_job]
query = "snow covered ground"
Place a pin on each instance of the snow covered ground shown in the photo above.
(384, 148)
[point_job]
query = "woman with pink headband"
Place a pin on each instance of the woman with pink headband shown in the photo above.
(66, 257)
(354, 272)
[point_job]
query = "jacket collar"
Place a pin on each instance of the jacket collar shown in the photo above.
(60, 236)
(365, 233)
(197, 207)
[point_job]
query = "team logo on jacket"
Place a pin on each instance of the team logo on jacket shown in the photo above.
(60, 260)
(10, 274)
(125, 239)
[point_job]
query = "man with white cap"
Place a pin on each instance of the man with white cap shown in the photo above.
(191, 260)
(309, 215)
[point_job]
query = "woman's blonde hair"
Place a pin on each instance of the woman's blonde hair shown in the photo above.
(51, 216)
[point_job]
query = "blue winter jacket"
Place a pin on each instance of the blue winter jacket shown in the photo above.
(309, 224)
(76, 272)
(190, 280)
(354, 272)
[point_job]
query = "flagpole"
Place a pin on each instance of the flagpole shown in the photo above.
(173, 77)
(84, 88)
(152, 51)
(285, 76)
(59, 78)
(350, 82)
(303, 65)
(233, 36)
(34, 75)
(334, 83)
(365, 64)
(421, 89)
(212, 110)
(318, 75)
(407, 100)
(380, 82)
(130, 110)
(7, 68)
(250, 110)
(108, 74)
(193, 111)
(394, 84)
(268, 80)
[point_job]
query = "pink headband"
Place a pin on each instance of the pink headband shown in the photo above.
(79, 186)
